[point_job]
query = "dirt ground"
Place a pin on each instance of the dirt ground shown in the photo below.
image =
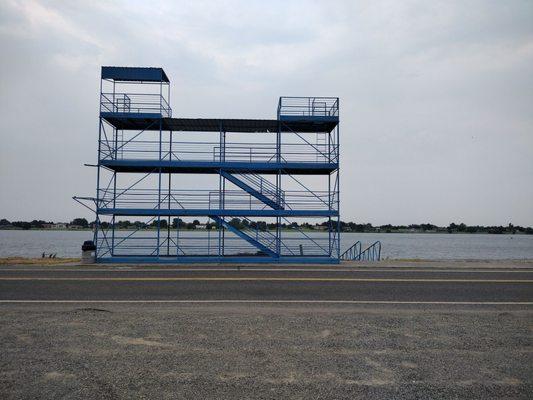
(184, 351)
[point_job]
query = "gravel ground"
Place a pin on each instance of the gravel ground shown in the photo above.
(121, 351)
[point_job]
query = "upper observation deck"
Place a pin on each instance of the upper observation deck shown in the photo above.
(302, 109)
(135, 90)
(135, 104)
(153, 114)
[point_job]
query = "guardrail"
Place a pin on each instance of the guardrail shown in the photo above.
(134, 103)
(353, 253)
(262, 186)
(209, 199)
(308, 106)
(203, 243)
(370, 253)
(211, 151)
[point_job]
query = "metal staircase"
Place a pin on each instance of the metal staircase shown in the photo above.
(248, 235)
(353, 253)
(258, 187)
(370, 253)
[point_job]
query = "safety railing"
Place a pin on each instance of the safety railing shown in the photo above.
(353, 253)
(147, 199)
(308, 106)
(203, 242)
(370, 253)
(184, 243)
(263, 187)
(291, 243)
(302, 246)
(254, 231)
(211, 151)
(134, 103)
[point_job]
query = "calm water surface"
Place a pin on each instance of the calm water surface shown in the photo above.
(395, 245)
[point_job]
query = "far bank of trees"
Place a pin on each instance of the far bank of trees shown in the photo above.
(83, 223)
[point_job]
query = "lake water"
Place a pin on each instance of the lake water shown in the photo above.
(394, 245)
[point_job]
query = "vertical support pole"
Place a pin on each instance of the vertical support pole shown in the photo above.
(161, 97)
(278, 190)
(159, 188)
(218, 224)
(168, 99)
(115, 134)
(169, 192)
(97, 219)
(338, 187)
(114, 207)
(113, 221)
(221, 157)
(329, 147)
(223, 207)
(330, 226)
(178, 236)
(97, 206)
(223, 188)
(115, 107)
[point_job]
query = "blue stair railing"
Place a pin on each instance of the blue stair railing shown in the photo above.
(258, 187)
(370, 253)
(265, 237)
(353, 252)
(248, 235)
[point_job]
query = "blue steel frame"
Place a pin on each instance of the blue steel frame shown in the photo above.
(139, 111)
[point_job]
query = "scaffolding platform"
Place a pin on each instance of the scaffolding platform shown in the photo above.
(263, 179)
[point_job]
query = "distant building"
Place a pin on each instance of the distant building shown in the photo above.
(75, 226)
(59, 225)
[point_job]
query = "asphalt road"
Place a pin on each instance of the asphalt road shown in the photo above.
(393, 330)
(369, 284)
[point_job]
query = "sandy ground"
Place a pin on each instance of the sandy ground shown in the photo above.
(264, 352)
(37, 261)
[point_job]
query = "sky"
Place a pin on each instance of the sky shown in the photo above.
(436, 97)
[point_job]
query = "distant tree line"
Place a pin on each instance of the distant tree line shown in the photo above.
(82, 223)
(429, 228)
(79, 223)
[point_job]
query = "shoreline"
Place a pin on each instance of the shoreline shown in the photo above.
(283, 230)
(12, 261)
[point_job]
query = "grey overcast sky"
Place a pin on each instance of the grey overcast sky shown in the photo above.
(436, 96)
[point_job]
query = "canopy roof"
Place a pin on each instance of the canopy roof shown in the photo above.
(135, 74)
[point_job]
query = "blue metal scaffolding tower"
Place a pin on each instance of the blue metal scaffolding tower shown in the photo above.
(258, 178)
